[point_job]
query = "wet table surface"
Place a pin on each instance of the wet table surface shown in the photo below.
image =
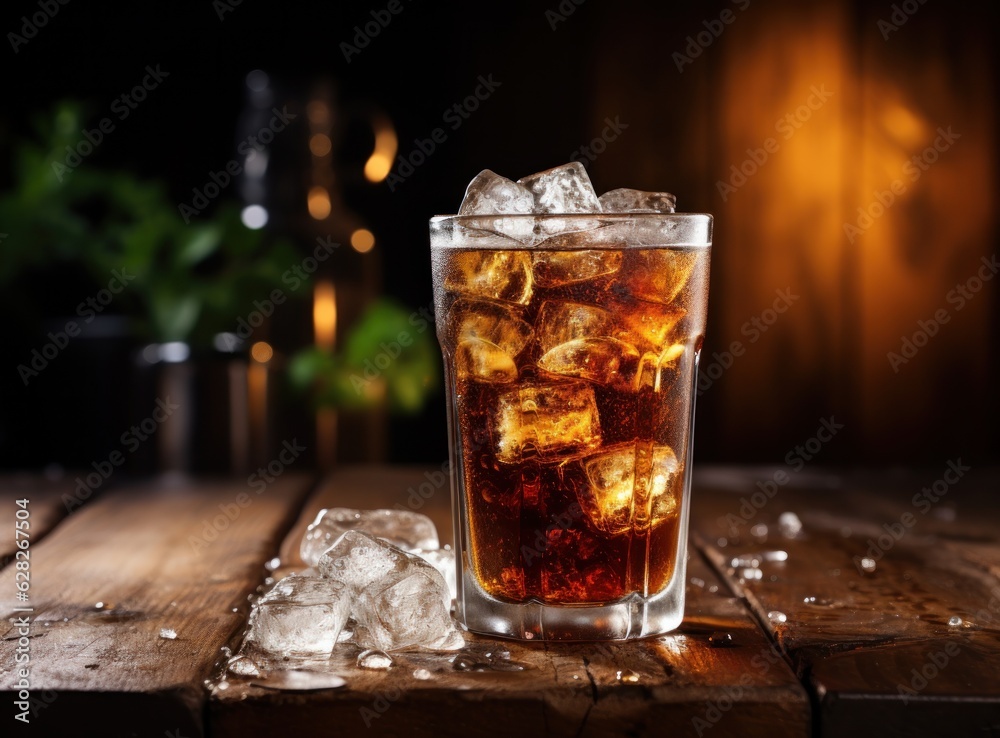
(854, 604)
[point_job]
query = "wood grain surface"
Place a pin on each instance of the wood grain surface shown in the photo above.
(176, 554)
(678, 683)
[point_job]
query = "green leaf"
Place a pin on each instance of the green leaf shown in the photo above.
(201, 242)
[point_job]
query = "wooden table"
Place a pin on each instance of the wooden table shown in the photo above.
(885, 616)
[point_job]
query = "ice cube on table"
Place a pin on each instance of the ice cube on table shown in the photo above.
(442, 559)
(625, 200)
(299, 616)
(407, 612)
(555, 268)
(558, 421)
(403, 528)
(603, 360)
(489, 337)
(503, 275)
(609, 500)
(488, 193)
(563, 189)
(657, 275)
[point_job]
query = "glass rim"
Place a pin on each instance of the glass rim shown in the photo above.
(616, 216)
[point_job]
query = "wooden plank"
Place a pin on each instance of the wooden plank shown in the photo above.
(45, 508)
(637, 688)
(875, 640)
(171, 554)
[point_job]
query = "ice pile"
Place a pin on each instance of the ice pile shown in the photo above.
(363, 587)
(408, 530)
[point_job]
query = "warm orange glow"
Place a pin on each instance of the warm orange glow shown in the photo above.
(262, 352)
(319, 203)
(380, 162)
(325, 314)
(318, 112)
(906, 127)
(362, 240)
(320, 144)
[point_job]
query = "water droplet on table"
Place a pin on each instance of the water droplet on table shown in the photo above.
(776, 616)
(955, 621)
(169, 633)
(868, 564)
(720, 639)
(421, 674)
(373, 659)
(628, 676)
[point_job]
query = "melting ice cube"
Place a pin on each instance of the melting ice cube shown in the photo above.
(557, 421)
(601, 360)
(407, 612)
(299, 616)
(612, 474)
(442, 559)
(490, 336)
(636, 201)
(563, 189)
(657, 275)
(489, 193)
(555, 268)
(494, 275)
(403, 528)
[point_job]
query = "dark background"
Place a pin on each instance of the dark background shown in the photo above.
(558, 87)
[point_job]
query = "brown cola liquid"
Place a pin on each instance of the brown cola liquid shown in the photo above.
(568, 447)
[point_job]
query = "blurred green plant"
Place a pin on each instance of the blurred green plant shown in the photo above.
(373, 367)
(191, 280)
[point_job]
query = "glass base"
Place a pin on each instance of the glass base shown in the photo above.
(631, 617)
